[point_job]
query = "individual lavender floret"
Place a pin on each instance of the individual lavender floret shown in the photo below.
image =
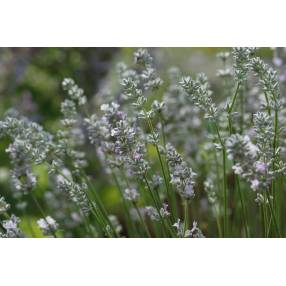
(268, 79)
(194, 232)
(182, 177)
(47, 225)
(241, 65)
(4, 206)
(199, 93)
(12, 228)
(75, 93)
(131, 194)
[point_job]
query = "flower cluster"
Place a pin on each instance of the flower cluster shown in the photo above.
(11, 227)
(241, 65)
(47, 225)
(30, 144)
(269, 81)
(194, 232)
(198, 91)
(76, 192)
(182, 177)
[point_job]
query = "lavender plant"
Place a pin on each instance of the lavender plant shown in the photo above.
(180, 160)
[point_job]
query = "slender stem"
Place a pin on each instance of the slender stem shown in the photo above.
(166, 227)
(242, 206)
(234, 98)
(263, 220)
(100, 207)
(186, 215)
(273, 214)
(171, 195)
(274, 156)
(225, 222)
(220, 234)
(142, 220)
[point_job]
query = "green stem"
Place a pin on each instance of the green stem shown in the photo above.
(225, 222)
(171, 195)
(273, 214)
(186, 215)
(242, 206)
(166, 227)
(234, 98)
(142, 220)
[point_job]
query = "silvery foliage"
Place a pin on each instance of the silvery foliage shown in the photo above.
(199, 93)
(182, 177)
(241, 62)
(47, 225)
(153, 213)
(11, 227)
(269, 82)
(4, 206)
(194, 232)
